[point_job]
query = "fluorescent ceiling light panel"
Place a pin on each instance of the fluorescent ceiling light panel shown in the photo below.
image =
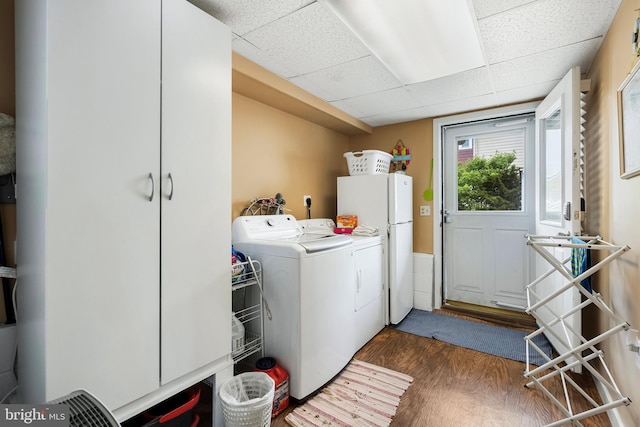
(418, 40)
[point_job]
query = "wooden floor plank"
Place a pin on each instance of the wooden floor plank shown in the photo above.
(454, 386)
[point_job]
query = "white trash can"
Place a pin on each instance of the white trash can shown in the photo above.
(247, 400)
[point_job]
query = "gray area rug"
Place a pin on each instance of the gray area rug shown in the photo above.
(503, 342)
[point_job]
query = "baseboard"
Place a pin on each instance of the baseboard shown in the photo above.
(605, 395)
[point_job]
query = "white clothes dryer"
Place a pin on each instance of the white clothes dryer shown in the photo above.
(366, 289)
(306, 282)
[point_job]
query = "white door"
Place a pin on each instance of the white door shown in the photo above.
(558, 194)
(400, 271)
(400, 198)
(89, 110)
(195, 216)
(489, 207)
(400, 246)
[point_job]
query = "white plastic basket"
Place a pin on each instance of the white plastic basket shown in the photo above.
(247, 400)
(368, 162)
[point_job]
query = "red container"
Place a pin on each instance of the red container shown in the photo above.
(280, 376)
(175, 411)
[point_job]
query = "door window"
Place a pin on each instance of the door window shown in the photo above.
(551, 185)
(490, 171)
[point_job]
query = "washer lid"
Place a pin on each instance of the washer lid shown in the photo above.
(317, 243)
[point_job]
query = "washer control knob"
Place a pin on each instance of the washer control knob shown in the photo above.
(271, 222)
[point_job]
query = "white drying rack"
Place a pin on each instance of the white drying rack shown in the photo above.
(584, 353)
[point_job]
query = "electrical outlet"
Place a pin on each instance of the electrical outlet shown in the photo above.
(425, 210)
(304, 200)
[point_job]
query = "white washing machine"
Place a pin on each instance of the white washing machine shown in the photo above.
(366, 289)
(306, 282)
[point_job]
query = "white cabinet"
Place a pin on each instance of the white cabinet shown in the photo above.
(123, 269)
(195, 223)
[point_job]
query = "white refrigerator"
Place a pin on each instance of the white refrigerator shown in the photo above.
(386, 201)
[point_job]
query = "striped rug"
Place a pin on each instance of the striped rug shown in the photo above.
(361, 395)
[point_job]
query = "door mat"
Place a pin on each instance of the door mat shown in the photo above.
(361, 395)
(503, 342)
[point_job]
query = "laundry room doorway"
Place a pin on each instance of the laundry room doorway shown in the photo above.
(488, 206)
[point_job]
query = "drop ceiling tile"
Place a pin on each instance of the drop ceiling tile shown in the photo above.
(397, 117)
(544, 25)
(374, 123)
(311, 87)
(544, 67)
(526, 93)
(464, 105)
(252, 53)
(387, 101)
(486, 8)
(458, 86)
(243, 16)
(359, 77)
(438, 110)
(348, 108)
(308, 40)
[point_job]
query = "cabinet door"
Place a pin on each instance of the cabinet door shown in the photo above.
(195, 210)
(88, 233)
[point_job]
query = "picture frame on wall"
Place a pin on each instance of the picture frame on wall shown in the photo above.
(629, 123)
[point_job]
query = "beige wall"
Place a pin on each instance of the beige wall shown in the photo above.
(417, 136)
(613, 203)
(275, 152)
(7, 106)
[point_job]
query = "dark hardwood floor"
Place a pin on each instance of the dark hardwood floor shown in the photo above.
(454, 386)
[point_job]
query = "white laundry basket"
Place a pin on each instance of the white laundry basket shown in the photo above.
(247, 400)
(368, 162)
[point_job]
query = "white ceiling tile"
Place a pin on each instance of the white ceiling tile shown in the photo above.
(526, 93)
(374, 123)
(544, 25)
(397, 117)
(476, 103)
(252, 53)
(486, 8)
(360, 77)
(347, 108)
(393, 100)
(243, 16)
(310, 86)
(462, 85)
(469, 104)
(544, 67)
(308, 40)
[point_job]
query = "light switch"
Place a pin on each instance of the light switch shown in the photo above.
(425, 210)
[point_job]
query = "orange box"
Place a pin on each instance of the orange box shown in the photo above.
(347, 221)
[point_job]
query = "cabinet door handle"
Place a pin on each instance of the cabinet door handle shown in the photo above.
(171, 181)
(359, 280)
(153, 187)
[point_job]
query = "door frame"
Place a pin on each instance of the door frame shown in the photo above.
(438, 125)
